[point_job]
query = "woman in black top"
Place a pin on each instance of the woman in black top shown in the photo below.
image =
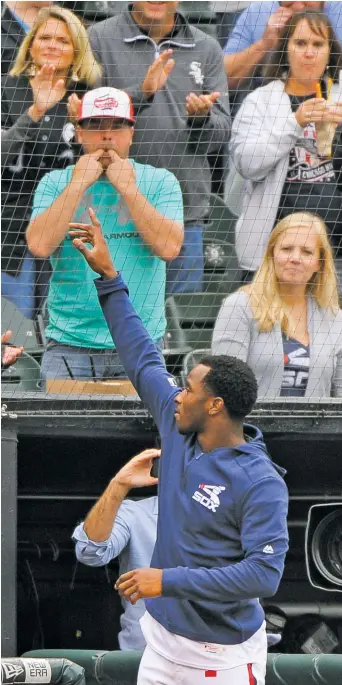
(54, 60)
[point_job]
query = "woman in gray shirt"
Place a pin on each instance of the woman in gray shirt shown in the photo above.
(287, 324)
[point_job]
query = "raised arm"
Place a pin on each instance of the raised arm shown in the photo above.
(242, 56)
(106, 530)
(137, 351)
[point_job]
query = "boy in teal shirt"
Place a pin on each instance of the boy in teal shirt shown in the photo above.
(141, 211)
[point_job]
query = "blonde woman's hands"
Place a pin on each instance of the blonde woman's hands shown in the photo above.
(46, 92)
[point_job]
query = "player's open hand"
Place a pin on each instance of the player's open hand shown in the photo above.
(140, 583)
(98, 256)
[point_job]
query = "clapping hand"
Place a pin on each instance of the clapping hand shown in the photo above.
(158, 73)
(200, 105)
(73, 108)
(46, 92)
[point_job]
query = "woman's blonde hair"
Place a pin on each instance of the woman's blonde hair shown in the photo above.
(264, 294)
(85, 67)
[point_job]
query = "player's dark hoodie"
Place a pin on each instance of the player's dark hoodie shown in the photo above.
(222, 534)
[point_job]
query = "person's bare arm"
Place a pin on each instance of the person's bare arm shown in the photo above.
(46, 232)
(136, 473)
(163, 235)
(99, 522)
(240, 65)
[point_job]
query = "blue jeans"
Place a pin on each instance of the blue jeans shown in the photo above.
(185, 273)
(84, 362)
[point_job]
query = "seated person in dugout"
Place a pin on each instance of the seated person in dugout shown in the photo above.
(286, 325)
(284, 134)
(142, 216)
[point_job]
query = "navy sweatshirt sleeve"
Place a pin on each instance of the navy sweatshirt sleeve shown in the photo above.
(137, 351)
(264, 539)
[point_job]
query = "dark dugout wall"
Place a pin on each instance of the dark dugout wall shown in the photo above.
(67, 453)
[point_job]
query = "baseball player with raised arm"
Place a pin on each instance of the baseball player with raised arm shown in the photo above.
(222, 533)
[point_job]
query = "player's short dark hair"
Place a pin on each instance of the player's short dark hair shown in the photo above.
(233, 380)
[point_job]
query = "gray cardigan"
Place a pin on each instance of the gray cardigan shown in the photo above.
(236, 334)
(263, 133)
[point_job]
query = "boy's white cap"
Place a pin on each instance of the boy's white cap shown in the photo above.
(106, 103)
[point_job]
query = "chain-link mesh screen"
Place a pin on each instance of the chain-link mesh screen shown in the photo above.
(207, 140)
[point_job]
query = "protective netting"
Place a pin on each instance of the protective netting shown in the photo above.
(234, 125)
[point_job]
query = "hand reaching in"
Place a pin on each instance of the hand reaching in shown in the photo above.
(98, 256)
(136, 473)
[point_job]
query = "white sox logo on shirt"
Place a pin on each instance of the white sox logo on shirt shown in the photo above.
(196, 72)
(212, 501)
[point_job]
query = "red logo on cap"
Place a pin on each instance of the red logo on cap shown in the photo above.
(106, 103)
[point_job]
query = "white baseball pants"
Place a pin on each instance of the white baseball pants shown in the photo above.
(156, 670)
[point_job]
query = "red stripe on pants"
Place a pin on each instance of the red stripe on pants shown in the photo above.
(210, 674)
(251, 678)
